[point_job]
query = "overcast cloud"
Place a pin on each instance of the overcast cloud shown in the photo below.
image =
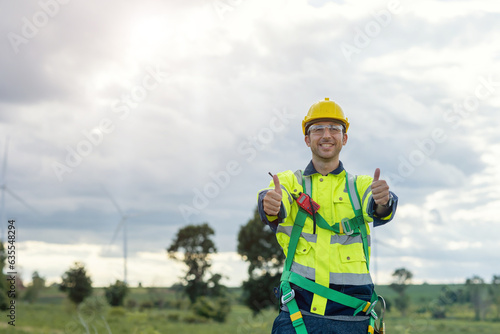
(180, 109)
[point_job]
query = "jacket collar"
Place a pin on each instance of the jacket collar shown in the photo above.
(310, 170)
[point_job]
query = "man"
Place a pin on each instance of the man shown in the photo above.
(320, 217)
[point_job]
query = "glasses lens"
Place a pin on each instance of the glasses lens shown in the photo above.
(320, 129)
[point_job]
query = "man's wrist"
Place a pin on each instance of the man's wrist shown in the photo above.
(389, 202)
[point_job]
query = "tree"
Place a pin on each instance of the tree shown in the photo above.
(76, 283)
(402, 281)
(33, 290)
(258, 246)
(195, 242)
(215, 288)
(495, 293)
(447, 297)
(477, 291)
(115, 294)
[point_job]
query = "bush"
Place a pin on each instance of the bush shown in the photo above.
(116, 293)
(215, 308)
(193, 319)
(159, 303)
(422, 310)
(180, 304)
(76, 283)
(131, 303)
(146, 305)
(438, 312)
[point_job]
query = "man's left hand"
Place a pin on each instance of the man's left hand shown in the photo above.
(380, 189)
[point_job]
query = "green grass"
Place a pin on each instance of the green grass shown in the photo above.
(419, 324)
(39, 318)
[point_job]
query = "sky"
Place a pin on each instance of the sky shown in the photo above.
(173, 113)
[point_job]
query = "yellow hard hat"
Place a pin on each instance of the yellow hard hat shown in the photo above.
(324, 110)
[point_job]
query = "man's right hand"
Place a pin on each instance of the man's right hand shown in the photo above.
(272, 199)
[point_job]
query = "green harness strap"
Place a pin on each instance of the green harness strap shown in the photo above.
(358, 212)
(354, 226)
(288, 295)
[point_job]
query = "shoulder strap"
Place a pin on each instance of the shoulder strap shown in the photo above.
(352, 190)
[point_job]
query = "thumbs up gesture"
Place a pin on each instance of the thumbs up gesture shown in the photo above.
(272, 199)
(380, 189)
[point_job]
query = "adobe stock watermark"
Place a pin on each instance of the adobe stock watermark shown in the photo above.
(89, 318)
(121, 107)
(454, 116)
(247, 151)
(364, 36)
(30, 26)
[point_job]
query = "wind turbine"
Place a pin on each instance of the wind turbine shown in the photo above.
(5, 189)
(121, 224)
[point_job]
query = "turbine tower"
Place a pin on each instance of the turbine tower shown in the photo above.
(121, 224)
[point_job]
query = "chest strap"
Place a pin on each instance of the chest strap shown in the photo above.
(353, 226)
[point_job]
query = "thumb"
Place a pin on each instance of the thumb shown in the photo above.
(376, 176)
(277, 185)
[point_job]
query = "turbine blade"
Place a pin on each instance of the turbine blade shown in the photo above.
(120, 225)
(135, 215)
(5, 156)
(11, 193)
(113, 201)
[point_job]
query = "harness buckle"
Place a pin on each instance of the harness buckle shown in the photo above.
(346, 226)
(380, 326)
(371, 310)
(288, 297)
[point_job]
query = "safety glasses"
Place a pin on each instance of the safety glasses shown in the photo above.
(319, 129)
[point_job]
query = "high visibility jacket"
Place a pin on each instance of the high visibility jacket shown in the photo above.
(334, 260)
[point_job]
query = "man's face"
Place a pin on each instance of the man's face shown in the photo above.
(325, 143)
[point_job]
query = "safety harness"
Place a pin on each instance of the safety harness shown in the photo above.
(351, 227)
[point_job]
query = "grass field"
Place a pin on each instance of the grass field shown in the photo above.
(52, 313)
